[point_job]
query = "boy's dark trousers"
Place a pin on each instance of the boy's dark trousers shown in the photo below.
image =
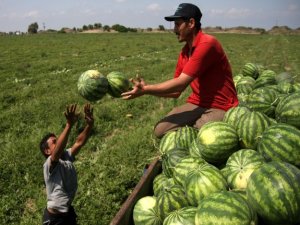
(68, 218)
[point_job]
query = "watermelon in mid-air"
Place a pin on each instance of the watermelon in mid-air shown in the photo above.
(118, 84)
(92, 85)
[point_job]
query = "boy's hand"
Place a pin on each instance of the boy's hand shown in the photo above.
(71, 114)
(88, 114)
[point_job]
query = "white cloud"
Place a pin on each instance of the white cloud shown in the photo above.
(231, 13)
(119, 1)
(31, 14)
(154, 7)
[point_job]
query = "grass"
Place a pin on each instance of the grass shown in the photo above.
(38, 79)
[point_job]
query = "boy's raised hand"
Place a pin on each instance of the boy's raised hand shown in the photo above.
(88, 114)
(71, 114)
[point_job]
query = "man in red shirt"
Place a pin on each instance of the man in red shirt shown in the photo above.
(204, 66)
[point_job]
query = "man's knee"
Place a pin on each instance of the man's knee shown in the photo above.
(210, 115)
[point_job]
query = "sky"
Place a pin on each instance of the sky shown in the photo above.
(17, 15)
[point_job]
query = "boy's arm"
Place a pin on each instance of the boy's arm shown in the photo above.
(85, 134)
(62, 140)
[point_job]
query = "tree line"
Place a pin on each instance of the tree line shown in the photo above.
(33, 28)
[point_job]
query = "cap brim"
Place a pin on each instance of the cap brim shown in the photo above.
(172, 18)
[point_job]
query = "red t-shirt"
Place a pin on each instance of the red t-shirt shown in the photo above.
(213, 86)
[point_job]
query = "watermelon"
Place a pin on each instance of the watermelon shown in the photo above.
(263, 81)
(240, 166)
(273, 192)
(145, 211)
(246, 80)
(263, 100)
(267, 73)
(92, 85)
(281, 142)
(236, 78)
(184, 166)
(195, 149)
(243, 98)
(244, 88)
(170, 199)
(225, 208)
(219, 140)
(250, 126)
(167, 142)
(118, 84)
(285, 87)
(160, 182)
(296, 87)
(171, 158)
(251, 70)
(288, 110)
(233, 115)
(202, 181)
(184, 136)
(183, 216)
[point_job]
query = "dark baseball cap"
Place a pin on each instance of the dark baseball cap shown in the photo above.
(185, 10)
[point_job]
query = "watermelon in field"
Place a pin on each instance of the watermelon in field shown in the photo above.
(160, 182)
(118, 84)
(233, 115)
(263, 100)
(145, 212)
(171, 158)
(225, 208)
(281, 142)
(240, 165)
(184, 167)
(219, 140)
(251, 70)
(92, 85)
(202, 181)
(273, 191)
(184, 136)
(288, 110)
(250, 126)
(167, 142)
(183, 216)
(170, 199)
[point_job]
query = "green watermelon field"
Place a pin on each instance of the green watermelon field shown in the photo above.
(39, 76)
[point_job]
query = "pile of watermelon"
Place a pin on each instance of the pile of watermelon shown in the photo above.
(242, 170)
(93, 85)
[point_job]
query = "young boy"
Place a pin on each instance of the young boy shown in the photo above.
(59, 172)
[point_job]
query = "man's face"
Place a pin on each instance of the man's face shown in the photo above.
(182, 29)
(51, 145)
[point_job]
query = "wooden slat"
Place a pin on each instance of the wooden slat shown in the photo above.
(143, 188)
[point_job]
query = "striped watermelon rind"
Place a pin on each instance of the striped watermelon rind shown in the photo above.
(240, 165)
(250, 127)
(118, 84)
(171, 199)
(92, 85)
(225, 208)
(281, 142)
(251, 70)
(184, 216)
(145, 211)
(288, 110)
(273, 192)
(219, 140)
(202, 181)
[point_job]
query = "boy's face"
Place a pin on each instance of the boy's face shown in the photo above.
(51, 145)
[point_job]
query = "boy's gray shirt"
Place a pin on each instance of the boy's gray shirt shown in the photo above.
(61, 183)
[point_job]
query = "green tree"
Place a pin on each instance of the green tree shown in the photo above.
(106, 28)
(33, 28)
(161, 27)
